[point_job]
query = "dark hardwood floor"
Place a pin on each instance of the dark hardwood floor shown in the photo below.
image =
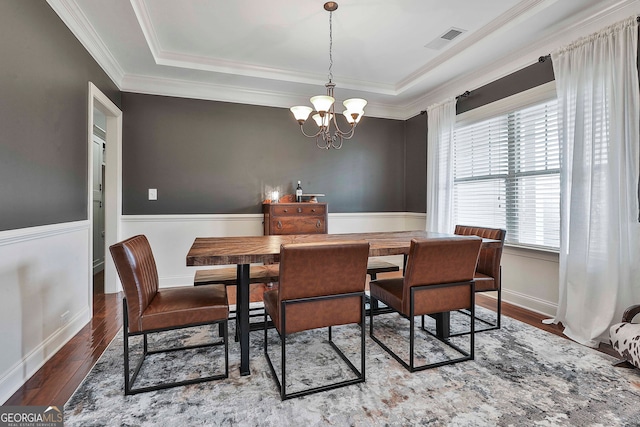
(56, 381)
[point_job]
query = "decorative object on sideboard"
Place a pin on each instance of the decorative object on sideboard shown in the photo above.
(298, 193)
(285, 198)
(325, 107)
(311, 198)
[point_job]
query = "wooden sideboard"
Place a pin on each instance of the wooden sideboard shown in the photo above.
(295, 218)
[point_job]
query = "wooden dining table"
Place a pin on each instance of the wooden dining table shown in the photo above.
(246, 250)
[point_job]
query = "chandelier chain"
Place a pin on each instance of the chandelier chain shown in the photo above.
(330, 46)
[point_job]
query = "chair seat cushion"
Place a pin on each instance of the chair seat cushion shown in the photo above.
(484, 283)
(625, 339)
(428, 301)
(184, 306)
(389, 291)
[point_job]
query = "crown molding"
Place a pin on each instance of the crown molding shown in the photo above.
(73, 17)
(241, 95)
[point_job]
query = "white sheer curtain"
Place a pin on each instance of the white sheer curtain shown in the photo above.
(598, 96)
(441, 120)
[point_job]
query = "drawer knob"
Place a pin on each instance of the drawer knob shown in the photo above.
(286, 210)
(279, 225)
(313, 210)
(318, 224)
(299, 210)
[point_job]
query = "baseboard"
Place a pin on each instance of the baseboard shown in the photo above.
(98, 267)
(530, 303)
(35, 359)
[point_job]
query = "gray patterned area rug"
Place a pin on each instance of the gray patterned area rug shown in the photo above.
(521, 376)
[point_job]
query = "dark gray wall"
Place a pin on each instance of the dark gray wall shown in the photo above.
(202, 156)
(216, 157)
(416, 164)
(44, 75)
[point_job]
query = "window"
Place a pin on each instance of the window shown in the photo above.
(507, 174)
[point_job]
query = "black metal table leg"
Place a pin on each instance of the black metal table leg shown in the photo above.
(443, 326)
(242, 316)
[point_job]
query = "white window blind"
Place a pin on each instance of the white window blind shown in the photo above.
(507, 175)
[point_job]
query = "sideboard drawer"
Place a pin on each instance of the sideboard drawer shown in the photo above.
(301, 225)
(300, 209)
(295, 218)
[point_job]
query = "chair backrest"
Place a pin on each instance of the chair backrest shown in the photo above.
(439, 261)
(322, 270)
(137, 270)
(311, 270)
(490, 258)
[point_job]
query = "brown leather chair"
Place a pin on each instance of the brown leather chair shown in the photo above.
(488, 271)
(438, 278)
(269, 273)
(321, 285)
(146, 309)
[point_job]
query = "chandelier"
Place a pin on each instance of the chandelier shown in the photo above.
(329, 134)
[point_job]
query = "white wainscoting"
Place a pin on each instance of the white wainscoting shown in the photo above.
(171, 236)
(530, 278)
(45, 296)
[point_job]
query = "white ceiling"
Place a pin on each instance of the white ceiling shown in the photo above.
(276, 52)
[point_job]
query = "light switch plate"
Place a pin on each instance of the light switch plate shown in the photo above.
(153, 194)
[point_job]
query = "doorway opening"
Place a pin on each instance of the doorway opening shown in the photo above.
(104, 189)
(97, 191)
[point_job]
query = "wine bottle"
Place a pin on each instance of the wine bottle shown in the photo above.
(298, 193)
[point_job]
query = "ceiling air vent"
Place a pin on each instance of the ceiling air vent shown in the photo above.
(444, 39)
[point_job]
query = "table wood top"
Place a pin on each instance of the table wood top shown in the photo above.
(266, 249)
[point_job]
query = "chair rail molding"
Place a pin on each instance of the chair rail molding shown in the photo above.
(10, 237)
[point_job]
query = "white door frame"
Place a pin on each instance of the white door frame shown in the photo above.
(112, 182)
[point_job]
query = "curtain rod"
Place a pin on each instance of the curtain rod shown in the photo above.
(545, 57)
(466, 94)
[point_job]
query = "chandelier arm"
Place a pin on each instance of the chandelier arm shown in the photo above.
(345, 135)
(326, 145)
(335, 138)
(310, 136)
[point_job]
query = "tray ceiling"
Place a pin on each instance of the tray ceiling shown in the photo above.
(277, 52)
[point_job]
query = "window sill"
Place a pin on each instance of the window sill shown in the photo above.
(535, 253)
